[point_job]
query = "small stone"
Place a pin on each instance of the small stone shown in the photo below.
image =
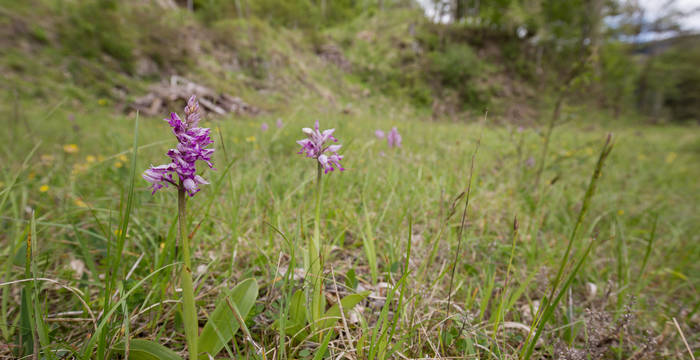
(78, 266)
(591, 290)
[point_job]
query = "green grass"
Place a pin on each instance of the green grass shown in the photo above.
(643, 217)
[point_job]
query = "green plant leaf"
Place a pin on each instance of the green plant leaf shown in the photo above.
(141, 349)
(351, 279)
(294, 326)
(331, 317)
(321, 351)
(222, 324)
(24, 335)
(297, 310)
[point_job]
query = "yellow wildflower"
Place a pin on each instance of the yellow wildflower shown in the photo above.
(90, 159)
(70, 148)
(621, 212)
(102, 102)
(671, 157)
(250, 138)
(118, 164)
(118, 232)
(44, 188)
(80, 203)
(123, 158)
(78, 168)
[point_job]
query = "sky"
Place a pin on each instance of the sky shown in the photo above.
(691, 22)
(652, 7)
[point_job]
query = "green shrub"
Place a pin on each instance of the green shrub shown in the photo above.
(618, 74)
(240, 33)
(517, 59)
(39, 34)
(96, 27)
(682, 94)
(248, 39)
(290, 13)
(672, 80)
(456, 65)
(458, 68)
(683, 99)
(211, 11)
(304, 14)
(162, 37)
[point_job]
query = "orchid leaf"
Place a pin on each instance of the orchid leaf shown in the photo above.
(222, 324)
(141, 349)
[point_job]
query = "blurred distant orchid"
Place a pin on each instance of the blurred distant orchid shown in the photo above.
(530, 162)
(264, 127)
(279, 123)
(394, 138)
(316, 146)
(192, 143)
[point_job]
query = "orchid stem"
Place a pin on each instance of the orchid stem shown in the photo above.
(317, 222)
(315, 258)
(189, 312)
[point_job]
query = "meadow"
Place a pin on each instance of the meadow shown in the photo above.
(451, 243)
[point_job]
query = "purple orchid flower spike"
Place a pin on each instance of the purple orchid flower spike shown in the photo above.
(264, 127)
(159, 176)
(279, 123)
(316, 146)
(192, 146)
(192, 115)
(394, 138)
(379, 134)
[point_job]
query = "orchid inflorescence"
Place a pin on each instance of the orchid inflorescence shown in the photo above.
(393, 139)
(192, 146)
(317, 145)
